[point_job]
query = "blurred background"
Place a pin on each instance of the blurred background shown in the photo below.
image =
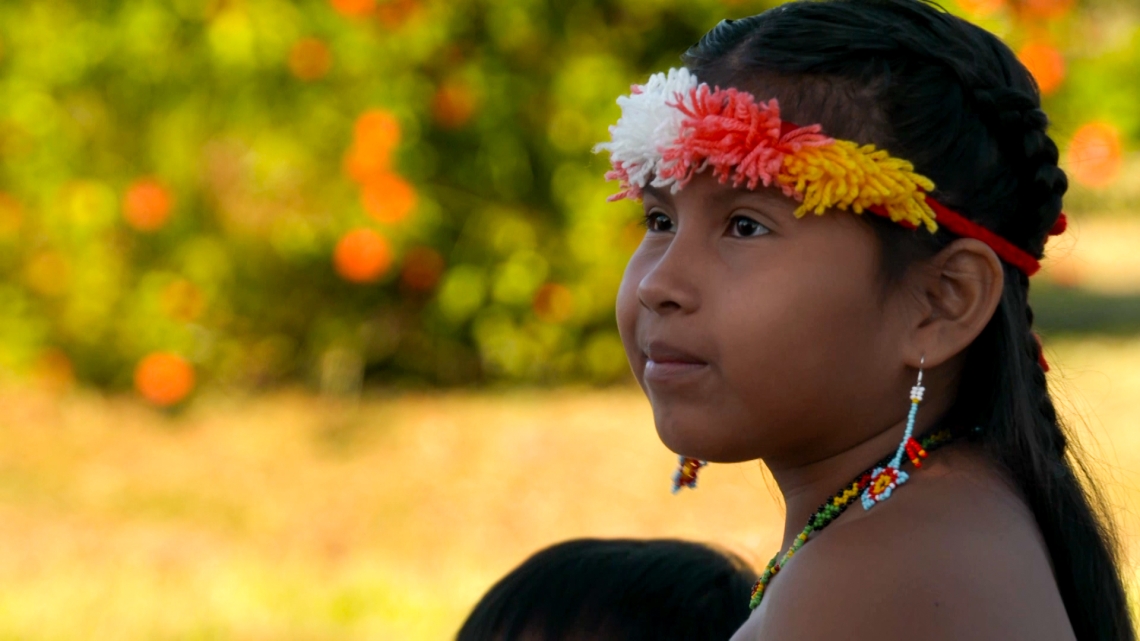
(306, 308)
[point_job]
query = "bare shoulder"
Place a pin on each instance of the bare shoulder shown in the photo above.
(954, 554)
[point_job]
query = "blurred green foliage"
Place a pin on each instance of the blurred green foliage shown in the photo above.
(176, 178)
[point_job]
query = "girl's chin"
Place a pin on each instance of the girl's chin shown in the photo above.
(696, 441)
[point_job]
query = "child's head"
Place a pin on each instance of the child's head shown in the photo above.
(757, 334)
(815, 326)
(616, 590)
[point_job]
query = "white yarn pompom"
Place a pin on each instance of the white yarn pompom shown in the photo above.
(648, 124)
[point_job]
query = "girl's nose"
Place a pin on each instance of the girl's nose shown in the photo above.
(670, 285)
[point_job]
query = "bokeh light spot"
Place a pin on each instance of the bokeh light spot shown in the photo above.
(519, 278)
(388, 198)
(393, 14)
(363, 165)
(453, 104)
(1045, 9)
(91, 205)
(310, 59)
(1046, 64)
(233, 39)
(1095, 155)
(53, 370)
(354, 8)
(422, 268)
(362, 256)
(377, 130)
(182, 300)
(981, 7)
(553, 303)
(147, 205)
(463, 290)
(375, 136)
(11, 216)
(164, 378)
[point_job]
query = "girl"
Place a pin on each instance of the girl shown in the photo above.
(916, 142)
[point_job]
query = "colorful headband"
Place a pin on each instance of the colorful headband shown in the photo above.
(673, 127)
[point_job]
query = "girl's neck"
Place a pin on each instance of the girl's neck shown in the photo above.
(805, 486)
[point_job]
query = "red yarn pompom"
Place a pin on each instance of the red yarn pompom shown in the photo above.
(1060, 226)
(1041, 354)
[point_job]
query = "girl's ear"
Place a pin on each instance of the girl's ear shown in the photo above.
(956, 293)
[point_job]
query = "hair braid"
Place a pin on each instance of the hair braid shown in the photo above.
(1043, 400)
(1015, 119)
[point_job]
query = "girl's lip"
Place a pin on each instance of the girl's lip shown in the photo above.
(663, 353)
(665, 362)
(669, 370)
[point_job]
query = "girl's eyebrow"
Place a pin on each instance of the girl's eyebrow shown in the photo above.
(720, 198)
(763, 197)
(658, 194)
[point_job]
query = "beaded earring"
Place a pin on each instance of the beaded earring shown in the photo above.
(686, 474)
(886, 478)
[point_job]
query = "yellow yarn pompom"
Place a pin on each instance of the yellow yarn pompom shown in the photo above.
(845, 176)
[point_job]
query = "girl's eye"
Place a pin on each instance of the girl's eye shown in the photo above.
(745, 227)
(657, 221)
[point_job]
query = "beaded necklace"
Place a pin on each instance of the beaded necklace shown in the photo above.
(916, 450)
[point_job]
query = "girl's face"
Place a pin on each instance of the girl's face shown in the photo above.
(758, 335)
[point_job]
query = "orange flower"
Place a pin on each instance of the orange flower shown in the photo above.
(11, 215)
(362, 256)
(553, 303)
(309, 59)
(361, 165)
(377, 130)
(1095, 154)
(453, 105)
(1045, 63)
(375, 137)
(981, 7)
(147, 204)
(394, 13)
(182, 300)
(1046, 9)
(388, 198)
(164, 378)
(53, 370)
(422, 268)
(354, 8)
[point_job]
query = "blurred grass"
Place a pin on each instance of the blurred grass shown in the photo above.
(1091, 279)
(290, 516)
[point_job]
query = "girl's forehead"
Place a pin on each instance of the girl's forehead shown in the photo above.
(705, 190)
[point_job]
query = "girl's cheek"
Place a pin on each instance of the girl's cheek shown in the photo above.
(794, 345)
(627, 309)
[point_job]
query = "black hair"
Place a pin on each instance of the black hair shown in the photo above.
(616, 589)
(954, 100)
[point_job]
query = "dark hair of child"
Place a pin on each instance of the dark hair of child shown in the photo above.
(619, 589)
(954, 100)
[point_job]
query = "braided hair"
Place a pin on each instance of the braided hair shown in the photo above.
(954, 100)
